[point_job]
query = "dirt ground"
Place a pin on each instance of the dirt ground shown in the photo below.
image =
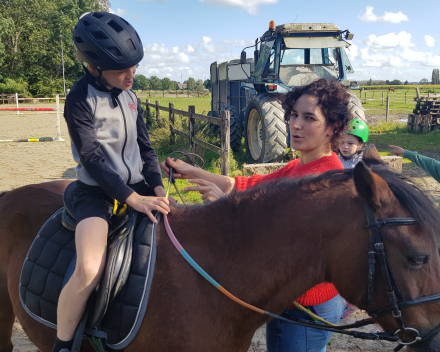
(36, 162)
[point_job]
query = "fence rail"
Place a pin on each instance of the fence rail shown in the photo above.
(223, 121)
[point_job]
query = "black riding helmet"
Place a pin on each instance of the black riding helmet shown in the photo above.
(106, 42)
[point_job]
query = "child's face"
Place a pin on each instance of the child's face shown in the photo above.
(122, 79)
(349, 145)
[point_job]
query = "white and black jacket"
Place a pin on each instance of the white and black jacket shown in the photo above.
(110, 141)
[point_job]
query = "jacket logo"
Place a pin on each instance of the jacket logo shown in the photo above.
(132, 106)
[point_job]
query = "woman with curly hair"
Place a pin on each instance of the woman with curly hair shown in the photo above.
(317, 114)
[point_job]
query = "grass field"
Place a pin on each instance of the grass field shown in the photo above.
(399, 105)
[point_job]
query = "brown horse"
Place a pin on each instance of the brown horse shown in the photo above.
(391, 89)
(267, 246)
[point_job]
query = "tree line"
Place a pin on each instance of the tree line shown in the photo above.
(395, 82)
(30, 44)
(140, 82)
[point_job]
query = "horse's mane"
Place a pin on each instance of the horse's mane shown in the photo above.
(409, 195)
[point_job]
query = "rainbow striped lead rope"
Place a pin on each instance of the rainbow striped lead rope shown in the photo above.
(202, 272)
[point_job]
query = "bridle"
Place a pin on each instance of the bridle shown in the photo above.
(376, 250)
(397, 302)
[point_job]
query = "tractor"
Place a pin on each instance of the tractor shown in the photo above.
(285, 56)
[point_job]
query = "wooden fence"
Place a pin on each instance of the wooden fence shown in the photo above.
(223, 122)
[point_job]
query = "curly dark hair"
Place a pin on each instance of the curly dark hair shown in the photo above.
(332, 99)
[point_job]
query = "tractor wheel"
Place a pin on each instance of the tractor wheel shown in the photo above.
(265, 129)
(236, 129)
(355, 107)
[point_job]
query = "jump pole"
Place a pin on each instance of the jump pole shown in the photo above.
(42, 139)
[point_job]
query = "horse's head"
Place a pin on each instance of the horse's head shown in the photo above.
(409, 271)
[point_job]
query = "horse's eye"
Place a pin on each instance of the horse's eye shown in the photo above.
(418, 260)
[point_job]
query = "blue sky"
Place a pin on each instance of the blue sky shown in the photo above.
(392, 39)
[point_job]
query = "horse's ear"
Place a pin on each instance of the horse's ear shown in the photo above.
(371, 155)
(371, 187)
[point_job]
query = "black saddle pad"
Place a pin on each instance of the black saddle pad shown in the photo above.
(47, 263)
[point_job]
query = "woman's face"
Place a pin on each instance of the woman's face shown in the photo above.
(309, 131)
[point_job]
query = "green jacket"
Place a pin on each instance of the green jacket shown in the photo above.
(430, 165)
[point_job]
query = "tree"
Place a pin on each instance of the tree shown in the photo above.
(423, 81)
(190, 83)
(199, 85)
(370, 82)
(387, 82)
(30, 41)
(140, 82)
(435, 76)
(406, 82)
(167, 84)
(396, 82)
(207, 84)
(155, 83)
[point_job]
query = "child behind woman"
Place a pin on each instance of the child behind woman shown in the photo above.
(352, 143)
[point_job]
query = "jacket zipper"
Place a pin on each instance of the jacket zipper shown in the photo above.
(125, 140)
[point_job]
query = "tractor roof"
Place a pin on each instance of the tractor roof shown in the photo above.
(304, 28)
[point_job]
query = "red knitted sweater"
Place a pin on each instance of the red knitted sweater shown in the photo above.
(323, 291)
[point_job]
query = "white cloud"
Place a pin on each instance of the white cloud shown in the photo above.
(190, 60)
(352, 52)
(390, 40)
(388, 17)
(119, 12)
(425, 59)
(251, 6)
(430, 41)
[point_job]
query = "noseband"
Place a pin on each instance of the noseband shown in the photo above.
(397, 303)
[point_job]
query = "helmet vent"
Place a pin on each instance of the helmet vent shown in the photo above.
(99, 35)
(78, 39)
(87, 23)
(98, 15)
(125, 21)
(130, 45)
(115, 52)
(92, 55)
(115, 26)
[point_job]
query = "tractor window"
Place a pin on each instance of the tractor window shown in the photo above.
(304, 57)
(346, 61)
(303, 66)
(265, 50)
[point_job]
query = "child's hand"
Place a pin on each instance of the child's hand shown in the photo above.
(397, 150)
(181, 169)
(146, 205)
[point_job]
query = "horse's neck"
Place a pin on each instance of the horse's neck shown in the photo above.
(266, 256)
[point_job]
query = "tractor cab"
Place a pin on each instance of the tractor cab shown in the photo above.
(293, 55)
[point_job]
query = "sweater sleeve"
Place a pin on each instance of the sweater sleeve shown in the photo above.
(430, 165)
(151, 168)
(79, 119)
(243, 183)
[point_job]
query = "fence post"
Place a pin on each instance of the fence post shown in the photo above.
(405, 97)
(388, 109)
(147, 112)
(418, 93)
(3, 99)
(225, 141)
(163, 94)
(365, 97)
(382, 98)
(157, 113)
(172, 135)
(192, 125)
